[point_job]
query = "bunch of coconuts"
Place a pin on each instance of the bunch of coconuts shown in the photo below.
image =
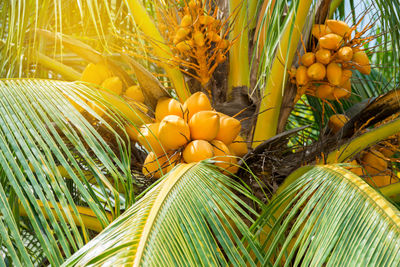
(325, 72)
(189, 132)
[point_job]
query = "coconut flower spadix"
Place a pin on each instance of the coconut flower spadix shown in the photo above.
(168, 106)
(197, 150)
(204, 125)
(229, 129)
(195, 103)
(174, 132)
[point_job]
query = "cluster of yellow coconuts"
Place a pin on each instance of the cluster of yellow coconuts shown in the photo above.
(189, 132)
(374, 162)
(326, 71)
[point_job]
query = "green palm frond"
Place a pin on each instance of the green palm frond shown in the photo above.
(44, 140)
(327, 216)
(191, 218)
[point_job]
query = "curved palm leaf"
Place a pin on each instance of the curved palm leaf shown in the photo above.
(327, 216)
(44, 140)
(191, 218)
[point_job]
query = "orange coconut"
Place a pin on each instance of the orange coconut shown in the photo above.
(180, 34)
(186, 21)
(222, 154)
(198, 38)
(381, 180)
(345, 53)
(148, 137)
(132, 132)
(238, 147)
(334, 73)
(168, 106)
(197, 150)
(316, 71)
(359, 171)
(361, 62)
(308, 59)
(135, 93)
(174, 132)
(324, 91)
(343, 91)
(183, 46)
(195, 103)
(155, 166)
(95, 73)
(204, 125)
(113, 84)
(323, 56)
(330, 41)
(346, 75)
(205, 20)
(339, 27)
(337, 121)
(374, 162)
(387, 151)
(319, 30)
(229, 128)
(301, 75)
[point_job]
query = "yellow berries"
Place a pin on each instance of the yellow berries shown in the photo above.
(204, 125)
(195, 103)
(337, 121)
(168, 106)
(197, 150)
(113, 84)
(134, 92)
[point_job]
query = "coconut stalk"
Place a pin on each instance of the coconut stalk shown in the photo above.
(140, 17)
(267, 120)
(239, 70)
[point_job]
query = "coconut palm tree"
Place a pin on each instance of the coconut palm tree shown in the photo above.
(72, 189)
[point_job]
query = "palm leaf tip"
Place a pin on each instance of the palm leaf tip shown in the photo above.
(329, 216)
(188, 219)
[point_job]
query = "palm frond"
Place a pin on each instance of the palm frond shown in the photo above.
(191, 218)
(327, 216)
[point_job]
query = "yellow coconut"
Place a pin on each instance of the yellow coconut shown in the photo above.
(323, 56)
(359, 171)
(148, 137)
(197, 150)
(308, 59)
(339, 27)
(346, 75)
(186, 21)
(334, 73)
(330, 41)
(324, 91)
(213, 36)
(205, 20)
(316, 71)
(134, 92)
(113, 84)
(238, 147)
(319, 30)
(132, 132)
(174, 132)
(180, 34)
(229, 128)
(183, 46)
(301, 75)
(195, 103)
(337, 121)
(155, 167)
(345, 53)
(382, 180)
(168, 106)
(204, 125)
(222, 154)
(198, 38)
(361, 62)
(387, 151)
(95, 73)
(374, 162)
(343, 91)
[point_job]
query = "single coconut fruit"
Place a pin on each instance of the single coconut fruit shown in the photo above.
(204, 125)
(319, 30)
(316, 71)
(148, 137)
(238, 147)
(323, 56)
(343, 91)
(95, 73)
(356, 170)
(387, 151)
(198, 38)
(337, 121)
(155, 167)
(361, 62)
(183, 46)
(168, 106)
(186, 21)
(229, 128)
(334, 73)
(301, 75)
(205, 20)
(308, 59)
(222, 154)
(339, 27)
(113, 84)
(197, 150)
(346, 75)
(345, 53)
(195, 103)
(374, 162)
(381, 180)
(330, 41)
(134, 92)
(180, 34)
(324, 91)
(132, 132)
(213, 36)
(174, 132)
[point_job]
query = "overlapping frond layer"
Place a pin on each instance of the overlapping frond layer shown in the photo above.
(191, 218)
(330, 217)
(43, 141)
